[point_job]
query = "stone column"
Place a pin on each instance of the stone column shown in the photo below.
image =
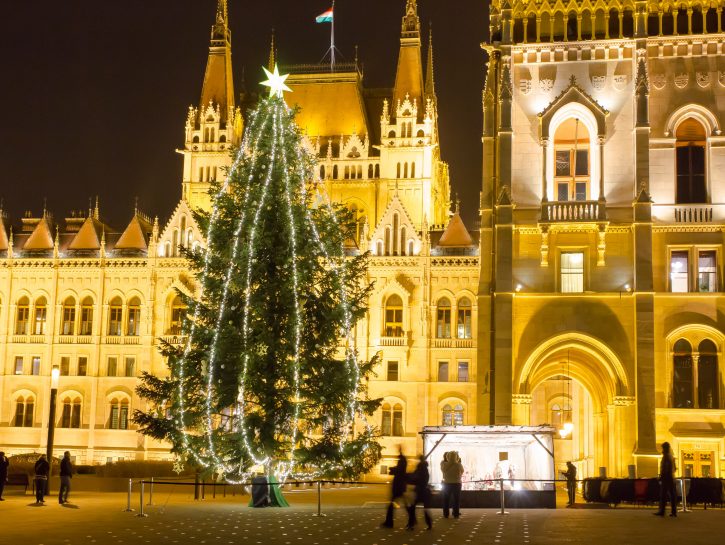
(521, 409)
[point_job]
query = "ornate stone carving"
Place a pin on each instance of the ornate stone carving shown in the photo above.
(620, 81)
(598, 82)
(659, 81)
(702, 78)
(546, 84)
(525, 86)
(721, 77)
(681, 80)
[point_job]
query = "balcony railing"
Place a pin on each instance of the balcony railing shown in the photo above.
(572, 211)
(37, 339)
(452, 343)
(392, 341)
(693, 214)
(20, 338)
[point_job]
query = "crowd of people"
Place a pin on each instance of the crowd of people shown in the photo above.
(42, 477)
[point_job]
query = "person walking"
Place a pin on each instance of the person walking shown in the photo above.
(66, 474)
(452, 470)
(400, 480)
(4, 464)
(419, 478)
(570, 476)
(667, 481)
(42, 469)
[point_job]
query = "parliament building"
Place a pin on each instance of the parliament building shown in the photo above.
(589, 298)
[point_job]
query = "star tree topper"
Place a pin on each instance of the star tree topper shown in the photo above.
(275, 82)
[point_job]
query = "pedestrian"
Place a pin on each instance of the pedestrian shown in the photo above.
(400, 480)
(419, 478)
(66, 474)
(4, 464)
(452, 470)
(42, 469)
(667, 481)
(570, 476)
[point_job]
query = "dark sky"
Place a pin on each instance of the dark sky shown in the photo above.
(95, 93)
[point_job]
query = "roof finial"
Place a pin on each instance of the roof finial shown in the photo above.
(429, 75)
(103, 242)
(56, 243)
(222, 15)
(96, 212)
(45, 206)
(272, 54)
(135, 205)
(10, 243)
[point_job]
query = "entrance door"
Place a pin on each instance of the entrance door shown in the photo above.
(698, 463)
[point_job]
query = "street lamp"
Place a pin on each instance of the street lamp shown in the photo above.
(54, 374)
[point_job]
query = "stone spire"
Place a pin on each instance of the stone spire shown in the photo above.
(430, 89)
(218, 85)
(409, 76)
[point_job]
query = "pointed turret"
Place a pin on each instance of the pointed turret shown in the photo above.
(136, 236)
(430, 88)
(409, 77)
(88, 238)
(218, 88)
(41, 239)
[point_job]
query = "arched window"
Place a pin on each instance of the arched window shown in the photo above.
(40, 316)
(24, 412)
(394, 316)
(115, 317)
(708, 385)
(68, 317)
(397, 171)
(412, 169)
(405, 170)
(167, 249)
(379, 248)
(133, 318)
(572, 161)
(452, 415)
(71, 414)
(183, 228)
(347, 172)
(178, 309)
(22, 317)
(443, 319)
(322, 172)
(690, 150)
(420, 133)
(377, 170)
(388, 241)
(391, 134)
(86, 317)
(396, 234)
(411, 247)
(189, 237)
(175, 244)
(682, 394)
(118, 414)
(402, 241)
(334, 172)
(397, 420)
(222, 138)
(561, 414)
(386, 423)
(370, 170)
(463, 322)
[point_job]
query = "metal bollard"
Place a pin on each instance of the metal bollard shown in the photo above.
(151, 493)
(128, 500)
(502, 511)
(140, 502)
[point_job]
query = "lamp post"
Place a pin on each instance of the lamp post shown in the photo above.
(54, 374)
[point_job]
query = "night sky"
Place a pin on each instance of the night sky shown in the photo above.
(95, 93)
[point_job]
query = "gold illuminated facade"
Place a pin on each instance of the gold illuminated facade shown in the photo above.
(602, 213)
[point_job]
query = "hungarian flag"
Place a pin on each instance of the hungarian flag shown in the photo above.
(325, 17)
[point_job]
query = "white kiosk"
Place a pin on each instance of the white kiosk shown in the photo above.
(518, 458)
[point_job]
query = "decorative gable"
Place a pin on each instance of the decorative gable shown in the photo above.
(41, 239)
(573, 93)
(395, 234)
(88, 236)
(180, 231)
(136, 235)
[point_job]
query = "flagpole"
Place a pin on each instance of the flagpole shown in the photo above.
(332, 39)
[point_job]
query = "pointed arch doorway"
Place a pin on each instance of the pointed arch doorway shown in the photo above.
(575, 379)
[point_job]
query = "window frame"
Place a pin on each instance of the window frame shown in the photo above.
(693, 266)
(394, 328)
(439, 369)
(389, 373)
(585, 268)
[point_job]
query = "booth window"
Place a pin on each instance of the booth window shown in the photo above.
(443, 319)
(392, 370)
(690, 147)
(572, 272)
(682, 394)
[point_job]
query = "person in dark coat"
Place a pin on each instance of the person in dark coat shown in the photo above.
(66, 474)
(667, 481)
(400, 480)
(419, 478)
(42, 469)
(570, 476)
(4, 464)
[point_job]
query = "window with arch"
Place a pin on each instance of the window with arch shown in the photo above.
(396, 234)
(68, 317)
(443, 318)
(412, 169)
(690, 159)
(708, 385)
(561, 413)
(178, 309)
(388, 241)
(397, 171)
(335, 173)
(379, 248)
(86, 325)
(403, 236)
(571, 161)
(394, 316)
(133, 318)
(115, 317)
(370, 170)
(189, 237)
(71, 413)
(682, 380)
(452, 415)
(392, 420)
(40, 316)
(118, 414)
(411, 247)
(167, 249)
(322, 172)
(24, 411)
(22, 317)
(463, 322)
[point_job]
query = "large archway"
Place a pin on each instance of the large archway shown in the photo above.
(575, 379)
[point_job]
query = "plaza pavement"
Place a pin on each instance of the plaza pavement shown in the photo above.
(352, 518)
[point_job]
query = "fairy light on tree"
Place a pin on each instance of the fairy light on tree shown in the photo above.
(269, 377)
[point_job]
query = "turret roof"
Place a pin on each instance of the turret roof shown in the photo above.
(455, 235)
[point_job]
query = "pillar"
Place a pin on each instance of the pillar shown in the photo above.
(521, 409)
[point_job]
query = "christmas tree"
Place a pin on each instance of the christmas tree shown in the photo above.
(269, 378)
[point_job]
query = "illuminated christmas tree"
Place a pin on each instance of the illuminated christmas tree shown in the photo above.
(269, 378)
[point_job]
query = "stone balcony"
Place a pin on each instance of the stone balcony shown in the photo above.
(573, 211)
(688, 213)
